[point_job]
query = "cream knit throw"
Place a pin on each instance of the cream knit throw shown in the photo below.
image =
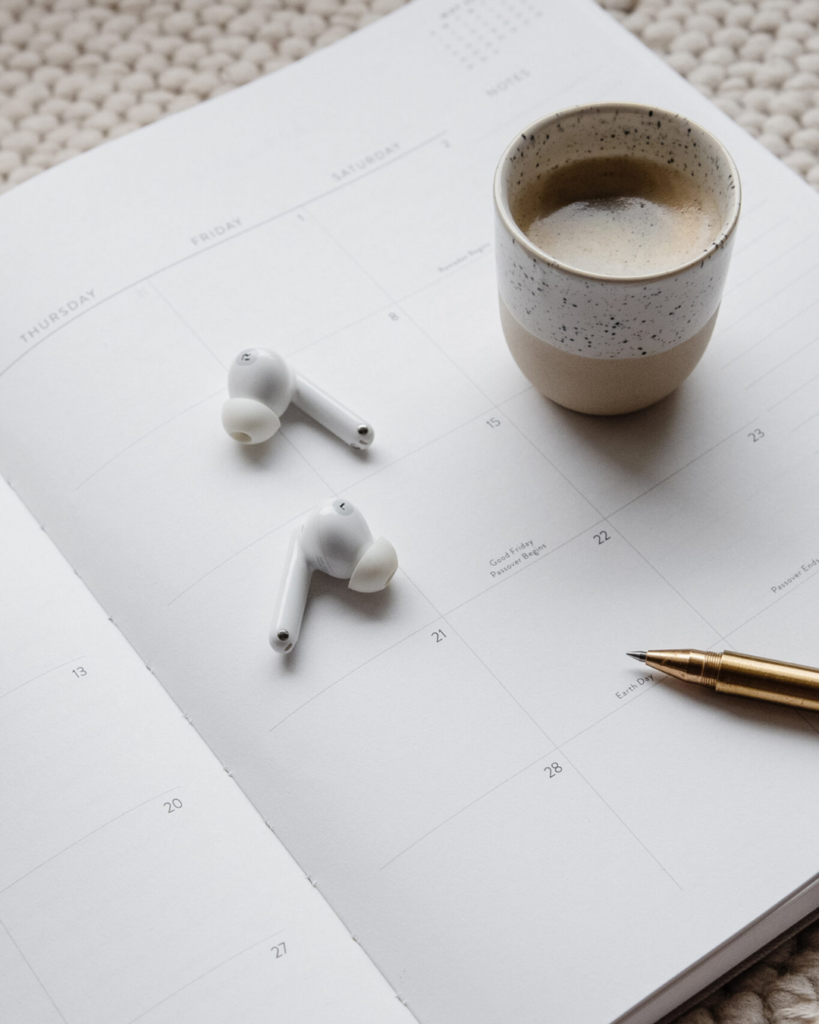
(74, 73)
(758, 60)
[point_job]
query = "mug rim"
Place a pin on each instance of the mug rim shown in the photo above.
(518, 235)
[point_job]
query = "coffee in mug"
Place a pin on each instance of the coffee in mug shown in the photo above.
(614, 228)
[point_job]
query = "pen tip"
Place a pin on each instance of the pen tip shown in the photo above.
(637, 655)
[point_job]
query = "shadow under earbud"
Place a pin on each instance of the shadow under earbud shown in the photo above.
(263, 457)
(325, 588)
(327, 591)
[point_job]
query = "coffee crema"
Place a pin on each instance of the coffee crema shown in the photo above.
(619, 216)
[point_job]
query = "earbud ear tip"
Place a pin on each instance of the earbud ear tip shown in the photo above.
(375, 568)
(249, 421)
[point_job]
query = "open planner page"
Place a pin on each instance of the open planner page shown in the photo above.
(136, 881)
(485, 789)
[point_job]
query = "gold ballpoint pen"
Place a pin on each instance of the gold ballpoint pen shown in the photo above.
(742, 675)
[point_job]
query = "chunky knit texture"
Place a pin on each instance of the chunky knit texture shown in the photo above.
(781, 989)
(74, 73)
(758, 61)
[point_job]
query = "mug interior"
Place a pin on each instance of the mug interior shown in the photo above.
(614, 130)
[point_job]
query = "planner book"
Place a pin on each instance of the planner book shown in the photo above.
(457, 801)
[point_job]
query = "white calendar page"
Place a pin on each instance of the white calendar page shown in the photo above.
(136, 881)
(481, 784)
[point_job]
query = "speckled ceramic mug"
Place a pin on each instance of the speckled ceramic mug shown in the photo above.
(600, 343)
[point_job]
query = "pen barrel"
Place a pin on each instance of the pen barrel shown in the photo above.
(744, 675)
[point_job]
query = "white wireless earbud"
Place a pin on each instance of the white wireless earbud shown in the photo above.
(262, 385)
(336, 540)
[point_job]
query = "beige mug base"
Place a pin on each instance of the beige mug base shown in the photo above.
(603, 387)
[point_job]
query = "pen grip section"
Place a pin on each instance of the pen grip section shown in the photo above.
(744, 675)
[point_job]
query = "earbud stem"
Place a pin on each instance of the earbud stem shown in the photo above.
(292, 599)
(332, 415)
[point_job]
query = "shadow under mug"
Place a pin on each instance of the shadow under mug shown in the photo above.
(609, 344)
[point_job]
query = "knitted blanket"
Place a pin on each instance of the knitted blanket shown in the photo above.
(74, 73)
